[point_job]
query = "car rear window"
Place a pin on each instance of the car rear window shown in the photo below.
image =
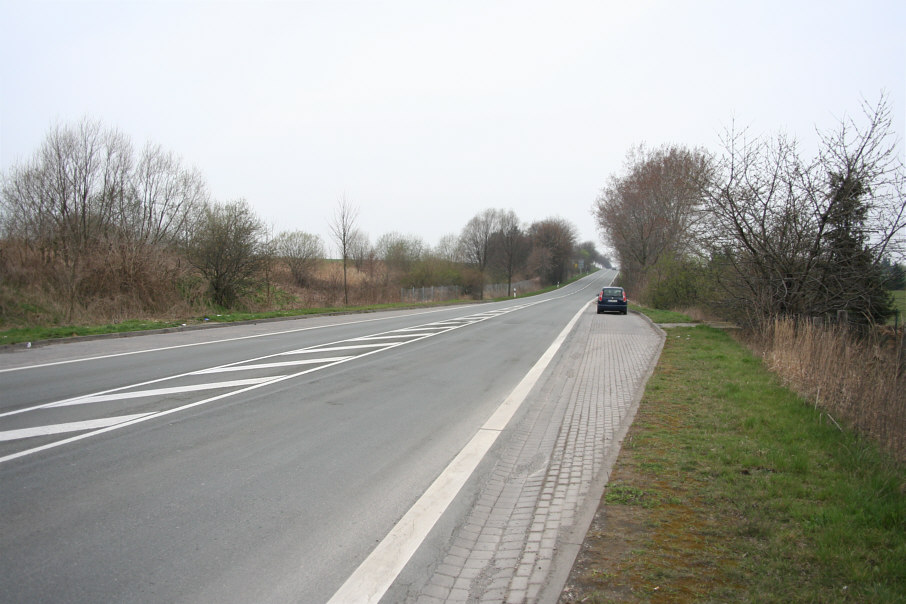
(613, 291)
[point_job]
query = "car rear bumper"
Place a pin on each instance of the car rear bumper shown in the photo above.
(612, 307)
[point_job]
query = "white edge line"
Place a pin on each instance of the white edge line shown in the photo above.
(371, 580)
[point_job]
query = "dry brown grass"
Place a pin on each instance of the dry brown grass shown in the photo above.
(112, 284)
(698, 314)
(106, 286)
(857, 380)
(365, 287)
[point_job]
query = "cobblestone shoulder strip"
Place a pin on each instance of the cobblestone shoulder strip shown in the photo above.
(521, 538)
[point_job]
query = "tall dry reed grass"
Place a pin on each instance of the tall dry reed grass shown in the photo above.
(857, 379)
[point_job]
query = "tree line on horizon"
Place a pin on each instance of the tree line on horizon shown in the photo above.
(90, 229)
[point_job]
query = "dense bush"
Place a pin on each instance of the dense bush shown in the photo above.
(675, 282)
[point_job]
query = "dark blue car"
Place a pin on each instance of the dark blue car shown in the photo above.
(613, 299)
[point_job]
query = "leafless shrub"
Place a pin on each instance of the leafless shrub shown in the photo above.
(89, 223)
(302, 252)
(798, 237)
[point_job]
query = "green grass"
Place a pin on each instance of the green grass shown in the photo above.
(743, 492)
(34, 334)
(661, 316)
(899, 302)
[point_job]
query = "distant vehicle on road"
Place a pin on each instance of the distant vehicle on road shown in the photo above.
(613, 299)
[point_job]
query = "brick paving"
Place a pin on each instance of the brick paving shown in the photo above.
(521, 537)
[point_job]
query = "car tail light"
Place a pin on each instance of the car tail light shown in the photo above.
(600, 296)
(624, 296)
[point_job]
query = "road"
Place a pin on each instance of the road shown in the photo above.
(260, 462)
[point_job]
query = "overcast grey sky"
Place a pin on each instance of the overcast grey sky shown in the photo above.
(423, 113)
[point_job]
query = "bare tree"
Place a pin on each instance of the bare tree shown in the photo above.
(164, 194)
(475, 240)
(588, 252)
(510, 245)
(342, 226)
(360, 250)
(808, 238)
(651, 210)
(63, 201)
(449, 248)
(400, 252)
(96, 221)
(553, 242)
(302, 252)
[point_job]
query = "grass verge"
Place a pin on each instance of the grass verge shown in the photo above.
(730, 488)
(34, 334)
(661, 316)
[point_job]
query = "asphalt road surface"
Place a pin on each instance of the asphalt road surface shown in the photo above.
(250, 463)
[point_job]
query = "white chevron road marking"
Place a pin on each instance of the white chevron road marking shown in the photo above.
(68, 427)
(116, 396)
(230, 368)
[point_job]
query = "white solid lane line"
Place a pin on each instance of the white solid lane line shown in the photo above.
(372, 579)
(68, 427)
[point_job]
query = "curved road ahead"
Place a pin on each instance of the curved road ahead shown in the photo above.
(269, 462)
